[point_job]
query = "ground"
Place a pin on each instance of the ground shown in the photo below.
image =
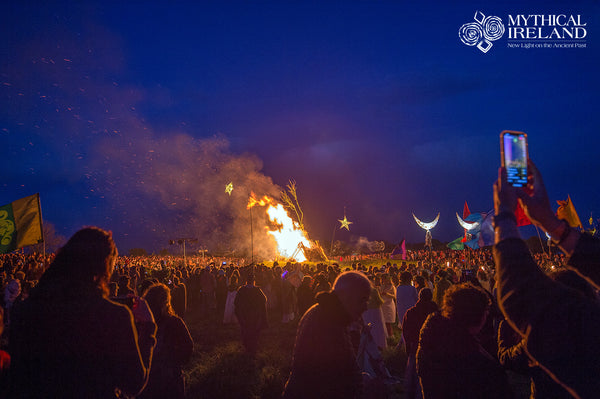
(220, 369)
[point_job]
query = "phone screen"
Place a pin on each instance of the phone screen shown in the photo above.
(514, 157)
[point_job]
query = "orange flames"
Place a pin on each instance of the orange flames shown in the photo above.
(288, 235)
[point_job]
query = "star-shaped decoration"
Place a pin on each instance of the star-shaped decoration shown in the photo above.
(345, 223)
(229, 188)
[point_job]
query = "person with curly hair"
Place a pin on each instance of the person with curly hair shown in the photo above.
(451, 363)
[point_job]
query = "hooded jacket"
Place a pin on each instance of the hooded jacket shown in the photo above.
(324, 361)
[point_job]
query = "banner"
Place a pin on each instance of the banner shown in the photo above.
(20, 224)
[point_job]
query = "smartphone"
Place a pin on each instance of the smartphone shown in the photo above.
(513, 148)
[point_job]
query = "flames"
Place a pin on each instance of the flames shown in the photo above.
(288, 234)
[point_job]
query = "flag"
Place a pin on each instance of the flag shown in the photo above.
(473, 244)
(457, 244)
(403, 247)
(399, 251)
(566, 211)
(522, 219)
(466, 213)
(20, 224)
(486, 232)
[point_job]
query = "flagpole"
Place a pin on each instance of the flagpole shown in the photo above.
(541, 243)
(42, 226)
(251, 237)
(332, 238)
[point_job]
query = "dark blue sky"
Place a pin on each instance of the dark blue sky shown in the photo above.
(134, 116)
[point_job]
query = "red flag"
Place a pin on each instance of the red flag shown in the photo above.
(466, 211)
(522, 219)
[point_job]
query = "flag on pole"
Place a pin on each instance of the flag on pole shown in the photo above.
(566, 211)
(522, 219)
(399, 251)
(403, 247)
(457, 244)
(20, 224)
(466, 211)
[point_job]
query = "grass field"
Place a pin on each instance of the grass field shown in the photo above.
(220, 369)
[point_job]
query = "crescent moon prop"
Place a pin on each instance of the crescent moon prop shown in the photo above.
(467, 225)
(427, 226)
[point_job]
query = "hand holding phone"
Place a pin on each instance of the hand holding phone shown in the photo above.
(514, 155)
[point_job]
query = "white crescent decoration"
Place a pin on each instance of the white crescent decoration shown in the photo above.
(427, 226)
(467, 225)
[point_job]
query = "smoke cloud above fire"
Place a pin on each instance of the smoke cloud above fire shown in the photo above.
(145, 183)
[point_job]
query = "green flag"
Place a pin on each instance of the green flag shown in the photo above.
(20, 224)
(457, 244)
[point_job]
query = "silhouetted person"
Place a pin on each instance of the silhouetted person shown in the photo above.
(174, 347)
(451, 363)
(179, 297)
(560, 323)
(125, 289)
(67, 340)
(221, 292)
(305, 294)
(324, 362)
(250, 307)
(411, 327)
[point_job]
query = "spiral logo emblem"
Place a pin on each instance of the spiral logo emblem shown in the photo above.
(493, 28)
(482, 32)
(470, 34)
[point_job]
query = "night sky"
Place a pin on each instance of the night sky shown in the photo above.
(134, 116)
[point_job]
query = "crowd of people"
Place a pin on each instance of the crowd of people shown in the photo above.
(464, 318)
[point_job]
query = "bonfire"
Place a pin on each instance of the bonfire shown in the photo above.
(292, 240)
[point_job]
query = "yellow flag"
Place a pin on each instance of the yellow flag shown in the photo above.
(566, 211)
(20, 224)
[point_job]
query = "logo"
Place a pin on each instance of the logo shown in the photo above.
(482, 32)
(546, 31)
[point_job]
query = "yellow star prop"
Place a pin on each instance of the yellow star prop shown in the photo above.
(345, 223)
(229, 188)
